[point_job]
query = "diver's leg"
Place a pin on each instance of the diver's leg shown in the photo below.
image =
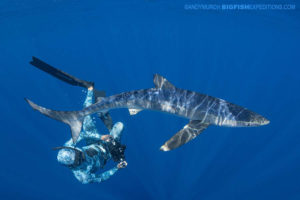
(88, 124)
(89, 128)
(117, 130)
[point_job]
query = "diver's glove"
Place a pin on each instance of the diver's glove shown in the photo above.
(122, 164)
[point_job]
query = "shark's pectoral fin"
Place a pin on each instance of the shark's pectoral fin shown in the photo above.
(162, 83)
(189, 132)
(134, 111)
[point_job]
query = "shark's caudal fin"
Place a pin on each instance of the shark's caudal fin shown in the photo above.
(72, 118)
(189, 132)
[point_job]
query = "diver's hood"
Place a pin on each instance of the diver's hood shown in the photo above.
(77, 158)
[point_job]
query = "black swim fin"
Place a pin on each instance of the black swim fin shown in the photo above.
(59, 74)
(105, 117)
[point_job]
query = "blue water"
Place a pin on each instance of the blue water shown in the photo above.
(250, 58)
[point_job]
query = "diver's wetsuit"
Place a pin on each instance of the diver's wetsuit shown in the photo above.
(95, 154)
(86, 161)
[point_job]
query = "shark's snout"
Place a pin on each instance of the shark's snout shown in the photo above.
(258, 120)
(265, 121)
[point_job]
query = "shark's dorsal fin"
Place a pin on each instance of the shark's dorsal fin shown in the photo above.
(98, 95)
(134, 111)
(189, 132)
(162, 83)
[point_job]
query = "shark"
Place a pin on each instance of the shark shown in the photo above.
(201, 110)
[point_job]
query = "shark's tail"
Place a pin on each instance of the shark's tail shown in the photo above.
(73, 118)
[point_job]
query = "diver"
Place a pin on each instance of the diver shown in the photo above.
(86, 161)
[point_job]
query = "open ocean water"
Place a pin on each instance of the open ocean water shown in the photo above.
(248, 57)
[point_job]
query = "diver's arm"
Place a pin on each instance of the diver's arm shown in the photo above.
(117, 130)
(105, 175)
(83, 176)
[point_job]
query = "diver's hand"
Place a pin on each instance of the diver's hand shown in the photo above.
(106, 138)
(122, 164)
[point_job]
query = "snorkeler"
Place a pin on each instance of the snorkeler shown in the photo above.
(86, 161)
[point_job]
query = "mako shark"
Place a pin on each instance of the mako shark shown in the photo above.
(202, 110)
